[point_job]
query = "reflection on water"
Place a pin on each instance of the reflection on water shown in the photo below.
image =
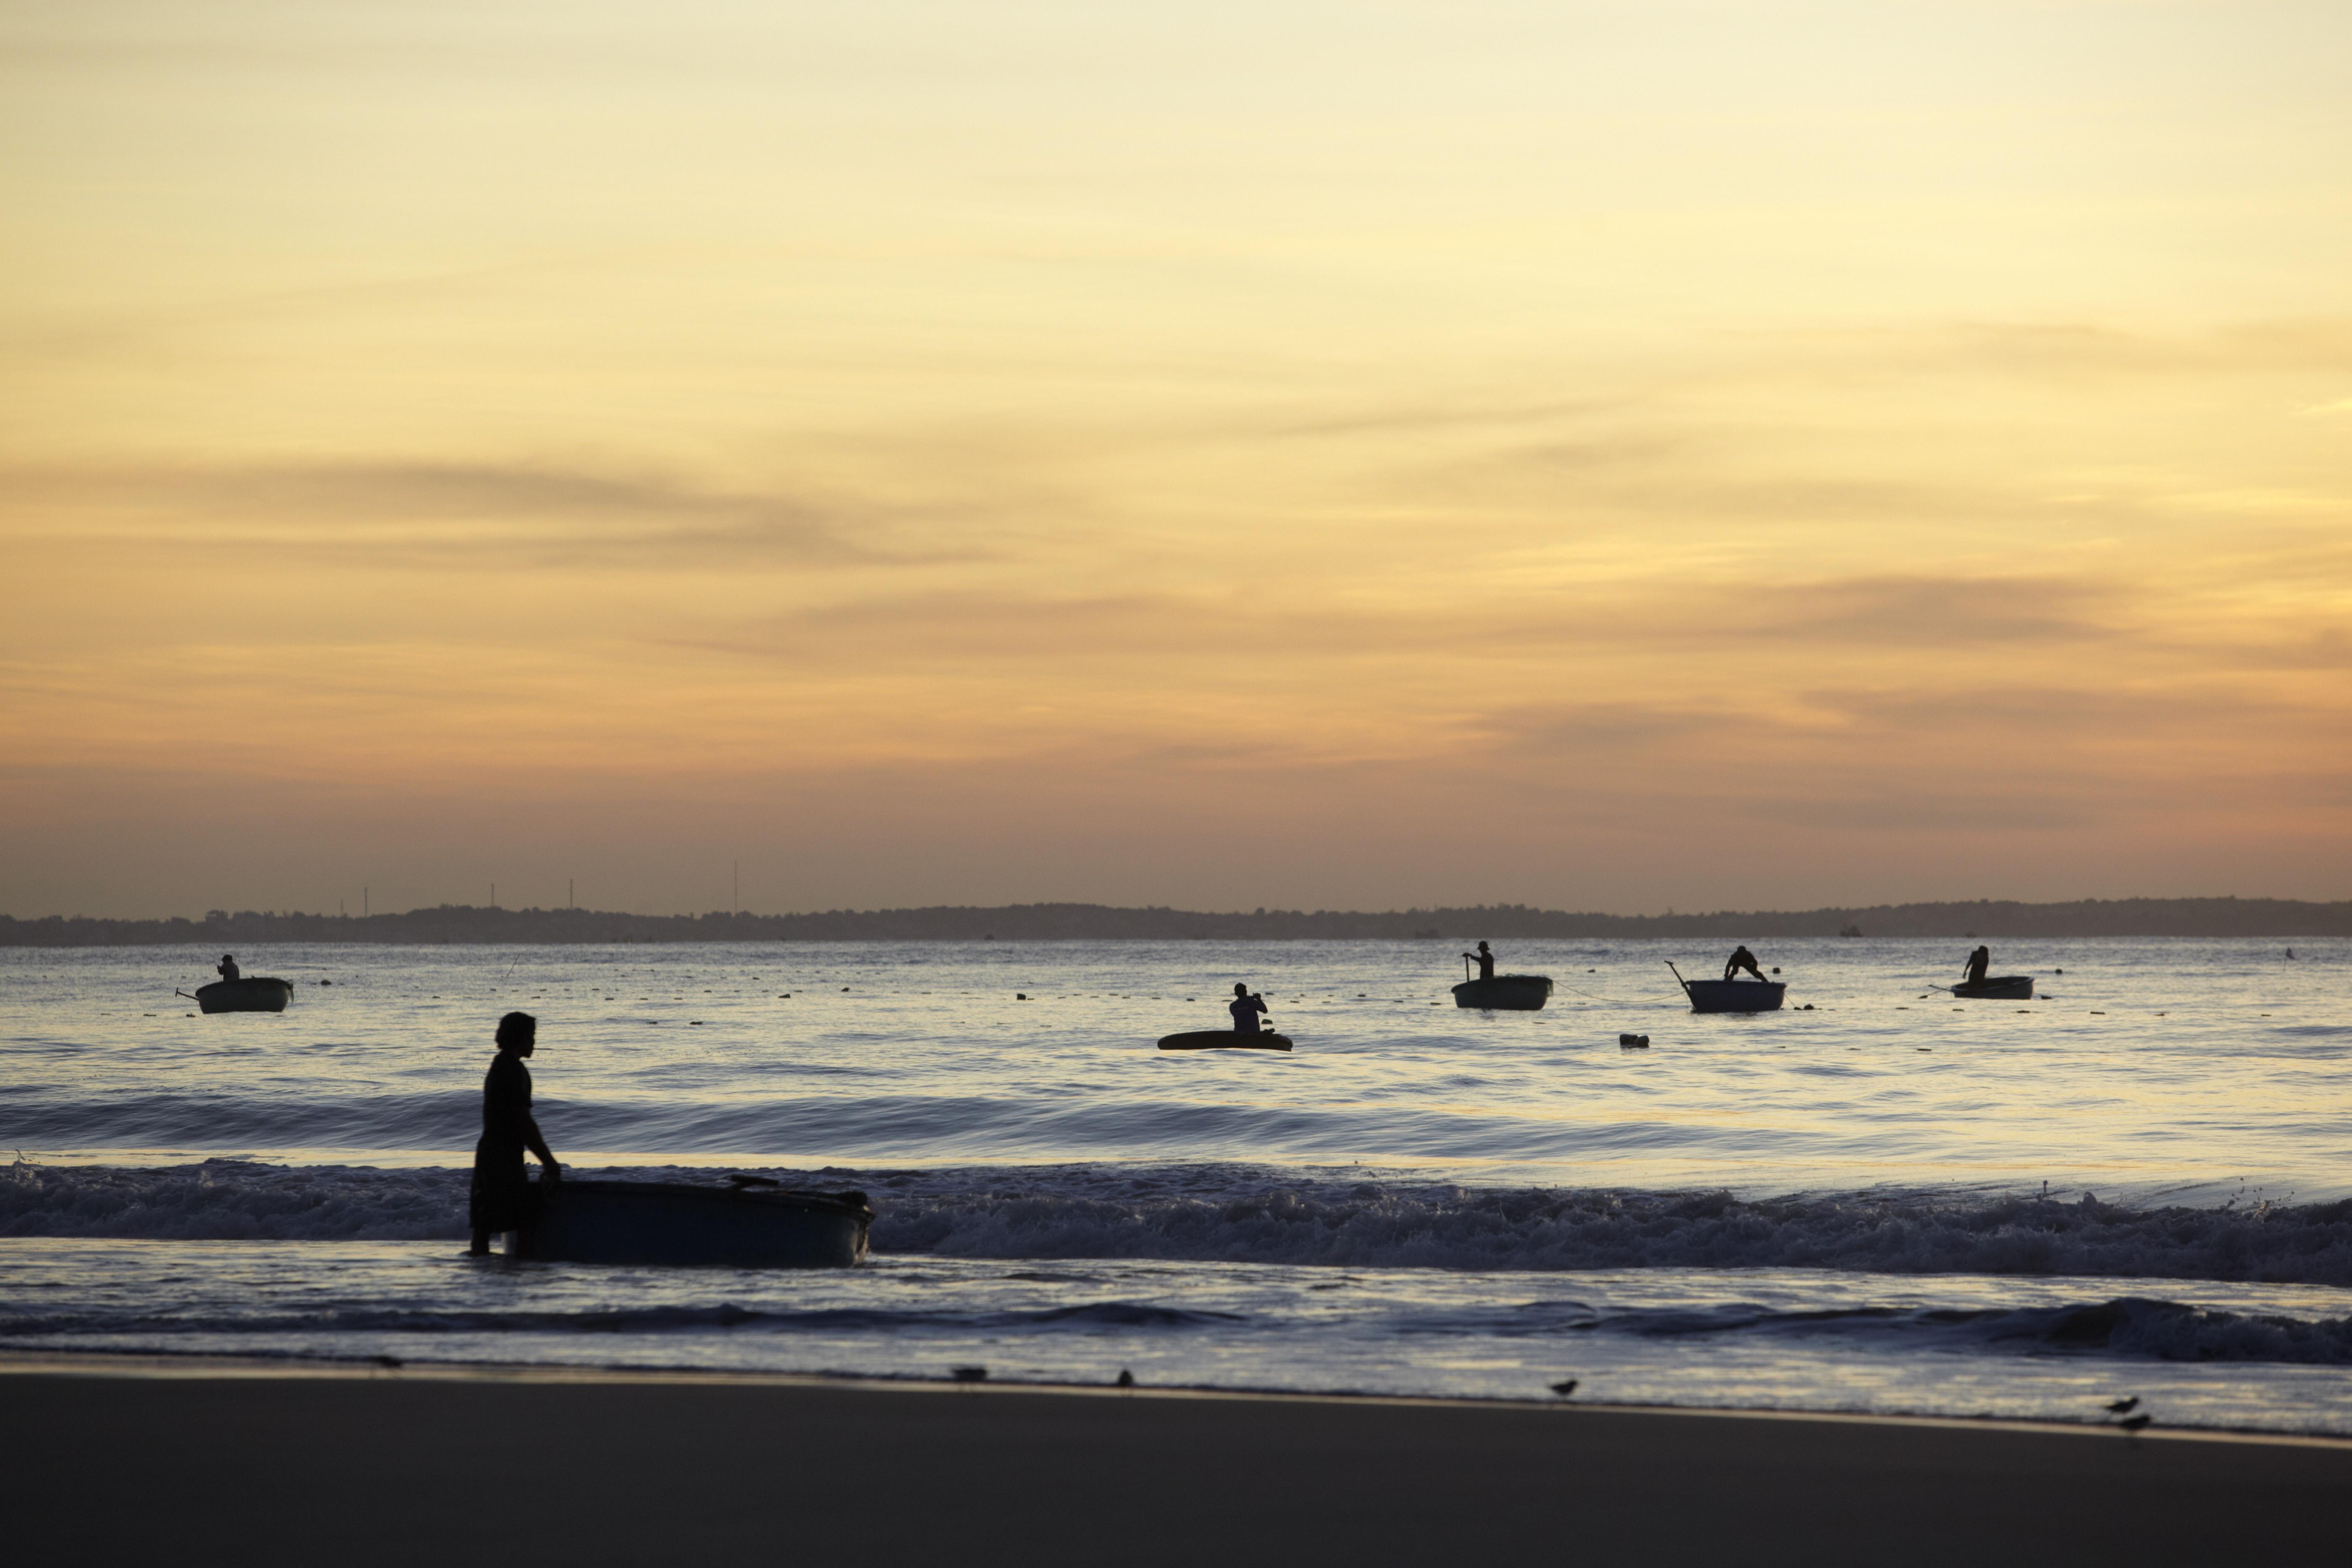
(2195, 1067)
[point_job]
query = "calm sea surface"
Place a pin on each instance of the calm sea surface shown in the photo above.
(1839, 1206)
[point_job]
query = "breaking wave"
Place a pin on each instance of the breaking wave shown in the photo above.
(1249, 1214)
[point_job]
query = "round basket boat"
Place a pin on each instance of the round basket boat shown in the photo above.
(676, 1223)
(1505, 993)
(1225, 1040)
(253, 994)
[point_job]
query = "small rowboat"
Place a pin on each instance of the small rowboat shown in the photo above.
(1733, 995)
(1995, 988)
(253, 994)
(1505, 993)
(743, 1226)
(1226, 1040)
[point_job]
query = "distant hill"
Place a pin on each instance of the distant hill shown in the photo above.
(1102, 923)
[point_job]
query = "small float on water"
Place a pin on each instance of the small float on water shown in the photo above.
(751, 1223)
(1505, 993)
(1225, 1040)
(250, 993)
(1995, 988)
(1732, 995)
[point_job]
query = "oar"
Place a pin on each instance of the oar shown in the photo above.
(1678, 977)
(177, 992)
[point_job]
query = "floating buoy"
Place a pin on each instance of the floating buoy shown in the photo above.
(1634, 1042)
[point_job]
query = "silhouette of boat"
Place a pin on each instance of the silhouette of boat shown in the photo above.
(253, 994)
(1225, 1040)
(1733, 995)
(1995, 988)
(747, 1226)
(1505, 993)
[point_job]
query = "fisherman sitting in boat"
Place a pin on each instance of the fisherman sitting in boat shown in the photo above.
(1979, 961)
(1485, 962)
(227, 966)
(1245, 1006)
(1741, 959)
(502, 1198)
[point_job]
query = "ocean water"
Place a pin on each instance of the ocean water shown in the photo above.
(2139, 1183)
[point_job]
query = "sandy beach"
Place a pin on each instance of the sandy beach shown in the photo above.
(126, 1460)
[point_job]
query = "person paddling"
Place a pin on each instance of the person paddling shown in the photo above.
(1979, 963)
(227, 967)
(1741, 959)
(1486, 958)
(1245, 1006)
(502, 1198)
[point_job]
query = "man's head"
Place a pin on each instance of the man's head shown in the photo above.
(1241, 988)
(518, 1033)
(1482, 947)
(228, 958)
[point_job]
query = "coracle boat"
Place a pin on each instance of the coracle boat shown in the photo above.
(1225, 1040)
(747, 1226)
(1995, 988)
(1733, 995)
(253, 994)
(1505, 993)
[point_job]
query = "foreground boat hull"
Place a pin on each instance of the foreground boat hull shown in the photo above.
(1225, 1040)
(1505, 993)
(672, 1222)
(1999, 988)
(1735, 996)
(256, 994)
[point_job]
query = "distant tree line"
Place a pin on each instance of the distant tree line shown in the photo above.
(1102, 923)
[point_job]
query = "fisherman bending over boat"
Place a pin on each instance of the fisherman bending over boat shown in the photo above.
(227, 966)
(1485, 962)
(502, 1198)
(1979, 961)
(1245, 1006)
(1741, 959)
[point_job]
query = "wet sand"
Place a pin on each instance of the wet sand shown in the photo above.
(125, 1461)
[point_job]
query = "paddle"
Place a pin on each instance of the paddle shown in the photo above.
(1678, 977)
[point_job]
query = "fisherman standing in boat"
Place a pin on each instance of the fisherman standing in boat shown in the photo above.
(502, 1198)
(1741, 959)
(1485, 962)
(1979, 963)
(227, 967)
(1245, 1006)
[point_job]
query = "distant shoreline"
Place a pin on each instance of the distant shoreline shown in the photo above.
(469, 924)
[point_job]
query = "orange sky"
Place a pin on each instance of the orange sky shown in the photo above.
(1606, 455)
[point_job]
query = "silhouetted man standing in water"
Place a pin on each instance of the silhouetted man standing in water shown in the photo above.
(1485, 962)
(227, 966)
(502, 1198)
(1245, 1006)
(1741, 959)
(1979, 961)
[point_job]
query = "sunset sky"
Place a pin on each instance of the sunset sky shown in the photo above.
(1600, 455)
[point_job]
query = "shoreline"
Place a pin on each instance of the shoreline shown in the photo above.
(124, 1461)
(204, 1365)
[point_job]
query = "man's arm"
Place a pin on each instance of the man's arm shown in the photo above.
(537, 1144)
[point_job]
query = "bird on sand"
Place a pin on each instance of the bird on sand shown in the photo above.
(1125, 1378)
(969, 1374)
(1564, 1389)
(2134, 1422)
(2124, 1406)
